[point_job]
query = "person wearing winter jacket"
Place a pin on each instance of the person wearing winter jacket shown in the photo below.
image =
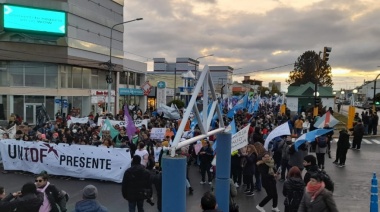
(89, 202)
(316, 198)
(310, 163)
(268, 173)
(293, 190)
(54, 199)
(26, 200)
(285, 157)
(249, 169)
(342, 146)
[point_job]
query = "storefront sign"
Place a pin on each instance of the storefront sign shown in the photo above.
(161, 96)
(131, 92)
(19, 18)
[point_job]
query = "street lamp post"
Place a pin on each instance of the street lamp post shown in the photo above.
(196, 63)
(109, 79)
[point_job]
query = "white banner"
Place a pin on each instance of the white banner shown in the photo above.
(11, 132)
(77, 120)
(157, 133)
(69, 160)
(138, 122)
(240, 139)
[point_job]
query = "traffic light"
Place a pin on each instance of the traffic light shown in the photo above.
(377, 103)
(326, 53)
(317, 101)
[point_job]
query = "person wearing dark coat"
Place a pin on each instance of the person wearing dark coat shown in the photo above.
(156, 179)
(268, 173)
(310, 164)
(257, 136)
(293, 190)
(342, 146)
(206, 155)
(375, 122)
(358, 135)
(55, 199)
(249, 169)
(28, 200)
(136, 184)
(89, 202)
(316, 197)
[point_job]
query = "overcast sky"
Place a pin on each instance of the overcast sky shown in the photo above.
(253, 35)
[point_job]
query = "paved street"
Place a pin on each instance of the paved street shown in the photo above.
(352, 184)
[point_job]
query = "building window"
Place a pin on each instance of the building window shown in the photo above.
(86, 77)
(123, 78)
(51, 76)
(16, 72)
(132, 79)
(77, 77)
(34, 75)
(94, 79)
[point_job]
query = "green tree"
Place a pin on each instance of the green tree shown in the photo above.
(177, 102)
(309, 67)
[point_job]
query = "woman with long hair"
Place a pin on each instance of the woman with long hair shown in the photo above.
(249, 169)
(53, 197)
(268, 173)
(293, 189)
(260, 150)
(316, 197)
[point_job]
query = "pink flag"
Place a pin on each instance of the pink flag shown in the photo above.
(129, 124)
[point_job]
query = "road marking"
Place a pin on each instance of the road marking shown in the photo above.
(366, 141)
(376, 141)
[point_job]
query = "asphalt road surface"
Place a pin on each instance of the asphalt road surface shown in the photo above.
(352, 185)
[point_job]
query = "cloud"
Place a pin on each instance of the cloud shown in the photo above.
(247, 38)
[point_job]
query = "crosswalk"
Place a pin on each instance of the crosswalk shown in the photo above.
(364, 141)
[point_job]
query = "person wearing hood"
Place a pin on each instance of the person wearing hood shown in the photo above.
(310, 164)
(89, 202)
(293, 190)
(316, 197)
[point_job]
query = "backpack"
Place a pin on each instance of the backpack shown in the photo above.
(293, 198)
(322, 141)
(329, 184)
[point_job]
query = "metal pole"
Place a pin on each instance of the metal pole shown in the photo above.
(110, 66)
(175, 83)
(222, 181)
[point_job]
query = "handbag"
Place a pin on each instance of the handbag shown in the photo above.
(234, 207)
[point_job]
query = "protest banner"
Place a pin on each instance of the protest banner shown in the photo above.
(240, 139)
(11, 132)
(140, 122)
(77, 120)
(158, 133)
(68, 160)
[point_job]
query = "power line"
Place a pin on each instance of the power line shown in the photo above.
(263, 69)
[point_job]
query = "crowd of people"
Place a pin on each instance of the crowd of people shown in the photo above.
(253, 166)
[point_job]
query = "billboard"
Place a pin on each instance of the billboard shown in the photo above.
(36, 20)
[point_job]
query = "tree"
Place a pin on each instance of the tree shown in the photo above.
(309, 67)
(177, 102)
